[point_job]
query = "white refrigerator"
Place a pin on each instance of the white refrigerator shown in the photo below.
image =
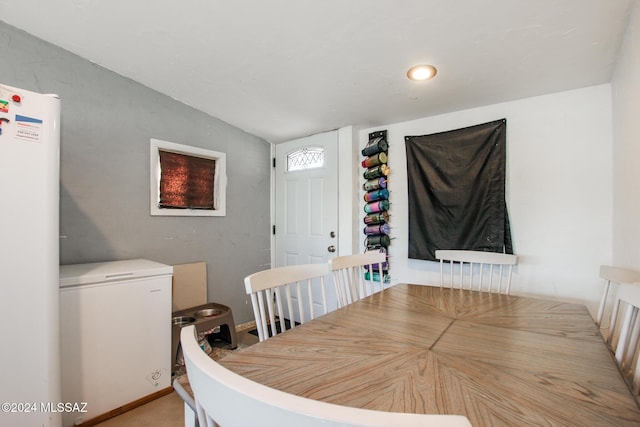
(29, 295)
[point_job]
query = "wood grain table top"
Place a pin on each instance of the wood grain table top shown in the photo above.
(499, 360)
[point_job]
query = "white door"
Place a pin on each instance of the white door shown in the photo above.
(306, 194)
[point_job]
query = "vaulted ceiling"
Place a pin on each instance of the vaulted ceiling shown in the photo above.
(281, 69)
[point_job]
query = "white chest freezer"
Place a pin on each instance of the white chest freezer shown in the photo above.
(115, 322)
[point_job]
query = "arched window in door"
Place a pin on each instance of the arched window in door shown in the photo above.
(305, 158)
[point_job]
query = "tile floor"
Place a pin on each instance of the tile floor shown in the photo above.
(166, 411)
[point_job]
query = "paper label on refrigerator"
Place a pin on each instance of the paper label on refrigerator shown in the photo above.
(4, 106)
(28, 128)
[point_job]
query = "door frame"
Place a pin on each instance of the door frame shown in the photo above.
(347, 194)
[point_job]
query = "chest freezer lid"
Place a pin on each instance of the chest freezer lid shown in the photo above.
(100, 272)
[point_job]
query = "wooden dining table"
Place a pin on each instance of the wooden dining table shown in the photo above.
(500, 360)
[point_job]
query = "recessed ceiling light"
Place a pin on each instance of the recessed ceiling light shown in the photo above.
(421, 72)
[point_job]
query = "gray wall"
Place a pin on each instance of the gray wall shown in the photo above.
(107, 121)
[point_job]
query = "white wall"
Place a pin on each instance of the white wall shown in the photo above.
(348, 205)
(559, 182)
(626, 135)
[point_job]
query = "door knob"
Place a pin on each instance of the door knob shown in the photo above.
(331, 248)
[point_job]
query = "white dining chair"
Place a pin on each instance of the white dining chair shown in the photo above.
(612, 274)
(180, 385)
(226, 399)
(477, 270)
(358, 276)
(284, 296)
(624, 333)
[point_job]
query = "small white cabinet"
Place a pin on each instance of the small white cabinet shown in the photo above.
(115, 334)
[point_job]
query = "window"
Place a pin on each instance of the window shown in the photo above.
(306, 158)
(186, 180)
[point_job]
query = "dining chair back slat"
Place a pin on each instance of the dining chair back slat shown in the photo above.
(284, 296)
(624, 333)
(477, 270)
(226, 399)
(358, 276)
(613, 275)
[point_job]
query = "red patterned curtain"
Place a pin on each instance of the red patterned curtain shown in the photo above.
(186, 182)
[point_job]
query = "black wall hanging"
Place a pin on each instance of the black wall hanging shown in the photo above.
(456, 185)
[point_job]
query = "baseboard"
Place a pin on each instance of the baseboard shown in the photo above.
(125, 408)
(244, 326)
